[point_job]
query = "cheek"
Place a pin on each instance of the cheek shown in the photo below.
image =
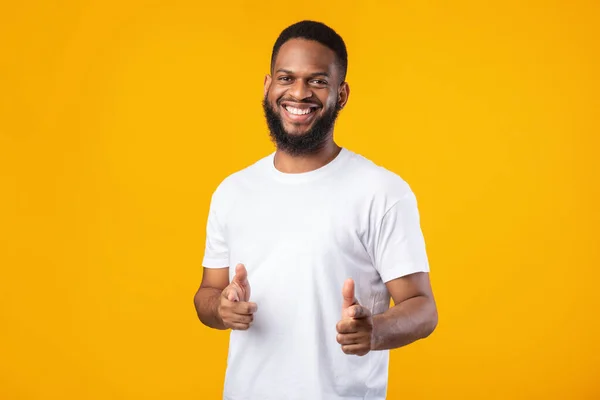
(331, 100)
(273, 95)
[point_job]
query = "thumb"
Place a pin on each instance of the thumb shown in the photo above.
(241, 275)
(240, 283)
(348, 294)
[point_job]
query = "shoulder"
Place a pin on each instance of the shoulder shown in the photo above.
(376, 180)
(238, 182)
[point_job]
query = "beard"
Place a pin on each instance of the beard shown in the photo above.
(305, 143)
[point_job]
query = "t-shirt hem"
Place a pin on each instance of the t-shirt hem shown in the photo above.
(391, 275)
(215, 263)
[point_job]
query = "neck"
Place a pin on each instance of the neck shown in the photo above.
(289, 164)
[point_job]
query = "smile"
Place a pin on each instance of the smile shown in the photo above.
(299, 113)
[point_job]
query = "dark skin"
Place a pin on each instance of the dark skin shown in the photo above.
(305, 73)
(306, 76)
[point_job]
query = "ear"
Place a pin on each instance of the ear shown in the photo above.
(343, 94)
(267, 84)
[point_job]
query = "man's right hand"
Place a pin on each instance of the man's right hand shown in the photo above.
(234, 309)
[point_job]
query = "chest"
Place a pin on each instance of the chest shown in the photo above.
(296, 221)
(315, 241)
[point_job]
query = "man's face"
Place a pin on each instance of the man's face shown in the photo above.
(303, 96)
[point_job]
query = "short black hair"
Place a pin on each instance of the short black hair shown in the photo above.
(319, 32)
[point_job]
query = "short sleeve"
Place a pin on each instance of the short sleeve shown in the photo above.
(400, 246)
(216, 253)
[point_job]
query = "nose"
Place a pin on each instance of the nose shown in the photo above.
(300, 90)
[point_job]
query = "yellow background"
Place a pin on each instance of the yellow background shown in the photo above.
(119, 118)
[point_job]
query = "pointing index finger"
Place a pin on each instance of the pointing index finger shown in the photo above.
(245, 307)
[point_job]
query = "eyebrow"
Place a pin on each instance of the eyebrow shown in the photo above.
(287, 71)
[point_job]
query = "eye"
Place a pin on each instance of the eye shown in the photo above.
(319, 82)
(284, 79)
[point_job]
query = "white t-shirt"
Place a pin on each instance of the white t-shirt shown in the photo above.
(300, 236)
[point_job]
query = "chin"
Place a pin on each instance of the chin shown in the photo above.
(295, 131)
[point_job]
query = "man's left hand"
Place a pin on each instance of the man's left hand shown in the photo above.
(355, 329)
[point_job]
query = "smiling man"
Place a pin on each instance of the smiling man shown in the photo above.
(306, 247)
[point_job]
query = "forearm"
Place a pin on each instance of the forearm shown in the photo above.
(206, 301)
(406, 322)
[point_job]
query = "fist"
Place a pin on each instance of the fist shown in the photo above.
(355, 329)
(235, 309)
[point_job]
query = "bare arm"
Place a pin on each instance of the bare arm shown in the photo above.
(208, 296)
(413, 316)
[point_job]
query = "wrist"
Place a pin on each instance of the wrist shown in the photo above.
(217, 311)
(376, 332)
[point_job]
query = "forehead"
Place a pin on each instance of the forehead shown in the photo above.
(305, 56)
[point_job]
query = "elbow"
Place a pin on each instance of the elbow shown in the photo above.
(431, 322)
(196, 299)
(197, 302)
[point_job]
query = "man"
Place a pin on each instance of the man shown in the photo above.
(319, 238)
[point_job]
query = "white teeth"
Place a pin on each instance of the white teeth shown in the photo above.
(298, 111)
